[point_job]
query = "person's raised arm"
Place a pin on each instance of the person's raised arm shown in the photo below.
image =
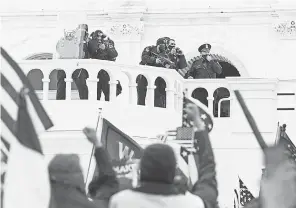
(206, 186)
(107, 176)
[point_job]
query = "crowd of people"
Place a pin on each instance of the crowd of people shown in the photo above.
(158, 184)
(164, 54)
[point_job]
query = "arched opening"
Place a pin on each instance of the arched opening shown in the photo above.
(160, 93)
(228, 68)
(219, 94)
(79, 77)
(201, 94)
(40, 56)
(35, 77)
(103, 87)
(142, 83)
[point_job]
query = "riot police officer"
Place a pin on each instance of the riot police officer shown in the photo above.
(176, 55)
(158, 57)
(165, 55)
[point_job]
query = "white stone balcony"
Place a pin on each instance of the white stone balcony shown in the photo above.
(230, 136)
(217, 94)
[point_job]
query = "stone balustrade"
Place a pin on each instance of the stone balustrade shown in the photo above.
(217, 94)
(173, 81)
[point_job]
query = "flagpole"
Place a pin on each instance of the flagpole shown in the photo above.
(189, 174)
(93, 147)
(251, 120)
(278, 133)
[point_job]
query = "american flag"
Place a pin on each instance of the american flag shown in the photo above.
(236, 199)
(288, 144)
(22, 117)
(245, 196)
(206, 116)
(184, 154)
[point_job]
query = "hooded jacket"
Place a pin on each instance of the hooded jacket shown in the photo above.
(67, 182)
(157, 188)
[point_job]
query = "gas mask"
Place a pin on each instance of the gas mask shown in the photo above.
(161, 48)
(171, 45)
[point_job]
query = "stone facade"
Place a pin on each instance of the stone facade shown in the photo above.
(260, 42)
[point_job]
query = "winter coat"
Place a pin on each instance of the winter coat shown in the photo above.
(155, 195)
(67, 182)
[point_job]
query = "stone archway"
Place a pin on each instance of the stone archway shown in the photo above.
(231, 65)
(40, 56)
(228, 68)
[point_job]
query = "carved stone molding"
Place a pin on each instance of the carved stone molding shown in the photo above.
(286, 29)
(126, 30)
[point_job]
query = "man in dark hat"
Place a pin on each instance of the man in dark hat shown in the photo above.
(205, 67)
(103, 48)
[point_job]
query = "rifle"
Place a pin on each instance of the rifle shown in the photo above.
(164, 60)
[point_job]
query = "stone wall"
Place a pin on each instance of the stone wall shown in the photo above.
(260, 41)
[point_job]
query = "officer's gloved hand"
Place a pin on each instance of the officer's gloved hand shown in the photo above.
(157, 61)
(102, 46)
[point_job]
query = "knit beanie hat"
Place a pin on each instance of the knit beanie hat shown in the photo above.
(158, 164)
(65, 168)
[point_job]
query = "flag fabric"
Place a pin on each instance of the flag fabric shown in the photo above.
(245, 196)
(206, 116)
(24, 175)
(288, 144)
(190, 159)
(236, 199)
(124, 152)
(184, 154)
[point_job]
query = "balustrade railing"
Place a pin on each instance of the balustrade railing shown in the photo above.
(173, 81)
(217, 94)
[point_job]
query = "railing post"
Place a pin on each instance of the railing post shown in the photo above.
(45, 88)
(112, 89)
(68, 88)
(133, 93)
(176, 100)
(180, 97)
(210, 104)
(92, 83)
(170, 98)
(92, 88)
(150, 95)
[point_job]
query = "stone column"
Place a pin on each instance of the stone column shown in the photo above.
(45, 88)
(211, 103)
(92, 84)
(150, 96)
(68, 88)
(133, 93)
(113, 84)
(170, 98)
